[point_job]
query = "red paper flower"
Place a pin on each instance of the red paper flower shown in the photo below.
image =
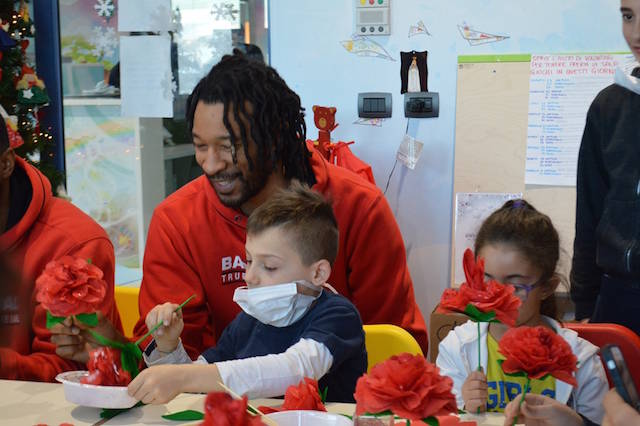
(485, 297)
(220, 409)
(537, 351)
(105, 369)
(71, 286)
(304, 396)
(406, 385)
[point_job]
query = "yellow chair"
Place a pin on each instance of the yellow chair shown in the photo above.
(127, 304)
(385, 340)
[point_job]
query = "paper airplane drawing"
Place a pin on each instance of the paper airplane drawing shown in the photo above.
(418, 28)
(364, 46)
(478, 37)
(377, 122)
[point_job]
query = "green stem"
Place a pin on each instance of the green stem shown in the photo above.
(159, 324)
(479, 358)
(526, 387)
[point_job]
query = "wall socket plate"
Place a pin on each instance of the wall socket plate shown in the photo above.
(421, 104)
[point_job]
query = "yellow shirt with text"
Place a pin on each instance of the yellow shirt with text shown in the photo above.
(504, 388)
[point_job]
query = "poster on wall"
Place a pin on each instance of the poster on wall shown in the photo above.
(146, 81)
(472, 208)
(89, 46)
(144, 15)
(561, 89)
(101, 153)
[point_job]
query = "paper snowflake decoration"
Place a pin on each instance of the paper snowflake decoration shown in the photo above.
(104, 8)
(224, 12)
(169, 86)
(104, 41)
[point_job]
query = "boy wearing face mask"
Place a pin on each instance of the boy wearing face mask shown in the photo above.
(292, 325)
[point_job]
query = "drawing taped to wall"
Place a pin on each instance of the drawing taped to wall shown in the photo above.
(376, 122)
(417, 29)
(475, 38)
(364, 46)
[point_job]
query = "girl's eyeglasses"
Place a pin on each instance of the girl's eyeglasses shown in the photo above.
(522, 290)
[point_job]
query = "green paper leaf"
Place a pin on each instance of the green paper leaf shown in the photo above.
(130, 355)
(89, 319)
(516, 374)
(431, 421)
(323, 394)
(381, 414)
(53, 320)
(252, 410)
(108, 413)
(185, 415)
(473, 313)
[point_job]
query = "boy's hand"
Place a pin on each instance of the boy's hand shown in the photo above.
(167, 335)
(475, 392)
(158, 384)
(540, 410)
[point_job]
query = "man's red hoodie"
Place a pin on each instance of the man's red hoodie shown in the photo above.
(195, 246)
(50, 228)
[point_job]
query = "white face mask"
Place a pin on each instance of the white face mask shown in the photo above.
(624, 78)
(278, 305)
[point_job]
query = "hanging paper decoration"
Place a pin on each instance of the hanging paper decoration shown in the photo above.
(105, 9)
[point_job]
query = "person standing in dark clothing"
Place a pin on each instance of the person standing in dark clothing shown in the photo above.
(605, 275)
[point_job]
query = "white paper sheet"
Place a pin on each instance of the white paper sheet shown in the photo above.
(144, 15)
(146, 85)
(472, 208)
(561, 89)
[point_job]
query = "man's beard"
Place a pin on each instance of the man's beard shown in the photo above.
(249, 186)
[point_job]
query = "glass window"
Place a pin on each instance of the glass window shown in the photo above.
(120, 168)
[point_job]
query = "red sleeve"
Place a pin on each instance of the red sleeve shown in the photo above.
(169, 275)
(379, 278)
(42, 364)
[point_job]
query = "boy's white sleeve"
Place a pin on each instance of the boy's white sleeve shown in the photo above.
(270, 375)
(450, 363)
(152, 356)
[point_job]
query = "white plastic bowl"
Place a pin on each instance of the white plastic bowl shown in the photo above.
(93, 395)
(309, 418)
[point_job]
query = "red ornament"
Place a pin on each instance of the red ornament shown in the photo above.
(305, 396)
(408, 386)
(485, 297)
(71, 286)
(538, 351)
(220, 409)
(105, 368)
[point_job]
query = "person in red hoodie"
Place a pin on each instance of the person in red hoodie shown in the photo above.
(249, 135)
(36, 228)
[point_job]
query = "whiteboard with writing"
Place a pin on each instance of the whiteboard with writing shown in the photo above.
(561, 88)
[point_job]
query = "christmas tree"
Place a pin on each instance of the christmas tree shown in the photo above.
(22, 92)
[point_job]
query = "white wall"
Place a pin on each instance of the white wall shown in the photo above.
(305, 48)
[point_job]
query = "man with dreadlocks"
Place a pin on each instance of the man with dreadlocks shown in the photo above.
(249, 134)
(36, 228)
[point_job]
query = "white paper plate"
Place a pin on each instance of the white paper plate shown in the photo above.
(309, 418)
(93, 395)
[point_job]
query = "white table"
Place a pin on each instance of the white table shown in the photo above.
(31, 403)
